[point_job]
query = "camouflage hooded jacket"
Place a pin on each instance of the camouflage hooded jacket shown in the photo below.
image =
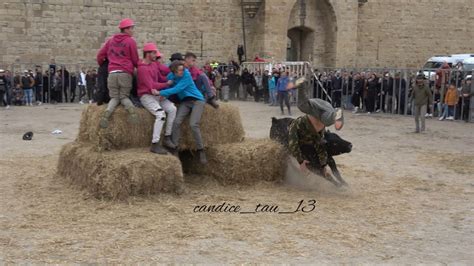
(302, 132)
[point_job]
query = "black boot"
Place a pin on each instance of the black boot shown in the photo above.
(202, 157)
(168, 143)
(157, 148)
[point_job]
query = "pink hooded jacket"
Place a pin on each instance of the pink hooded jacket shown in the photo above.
(149, 77)
(121, 51)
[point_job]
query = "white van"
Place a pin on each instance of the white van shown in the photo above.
(435, 62)
(461, 57)
(468, 64)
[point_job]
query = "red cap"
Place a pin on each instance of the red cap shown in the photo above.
(126, 23)
(150, 47)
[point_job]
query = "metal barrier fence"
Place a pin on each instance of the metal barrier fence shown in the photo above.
(389, 90)
(51, 83)
(294, 69)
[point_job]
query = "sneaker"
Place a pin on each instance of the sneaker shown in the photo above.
(377, 111)
(132, 115)
(81, 102)
(451, 118)
(90, 101)
(7, 107)
(158, 149)
(40, 103)
(368, 113)
(441, 118)
(430, 115)
(427, 115)
(202, 157)
(168, 143)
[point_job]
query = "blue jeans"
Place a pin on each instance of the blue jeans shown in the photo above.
(273, 97)
(448, 111)
(28, 98)
(203, 84)
(347, 102)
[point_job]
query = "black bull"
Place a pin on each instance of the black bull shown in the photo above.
(334, 144)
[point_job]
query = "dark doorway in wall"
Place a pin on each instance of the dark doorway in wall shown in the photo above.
(300, 44)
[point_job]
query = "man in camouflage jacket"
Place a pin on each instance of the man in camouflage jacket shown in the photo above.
(306, 133)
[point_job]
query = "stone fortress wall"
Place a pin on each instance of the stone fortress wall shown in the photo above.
(331, 33)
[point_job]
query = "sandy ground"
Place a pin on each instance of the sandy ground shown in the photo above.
(410, 201)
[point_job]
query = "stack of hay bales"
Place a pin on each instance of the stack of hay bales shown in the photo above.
(115, 163)
(217, 127)
(243, 162)
(119, 174)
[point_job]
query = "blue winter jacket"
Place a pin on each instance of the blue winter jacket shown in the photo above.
(183, 86)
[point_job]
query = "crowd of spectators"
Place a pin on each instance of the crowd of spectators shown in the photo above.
(390, 91)
(387, 91)
(54, 85)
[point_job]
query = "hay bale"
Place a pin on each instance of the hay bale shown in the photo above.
(119, 174)
(120, 134)
(240, 163)
(220, 126)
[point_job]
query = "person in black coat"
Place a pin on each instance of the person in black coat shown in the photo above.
(102, 95)
(46, 88)
(400, 93)
(38, 85)
(240, 53)
(358, 92)
(73, 80)
(372, 91)
(248, 82)
(234, 84)
(387, 93)
(336, 89)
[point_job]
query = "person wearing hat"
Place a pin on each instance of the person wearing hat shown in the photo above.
(421, 95)
(307, 132)
(176, 56)
(148, 83)
(122, 55)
